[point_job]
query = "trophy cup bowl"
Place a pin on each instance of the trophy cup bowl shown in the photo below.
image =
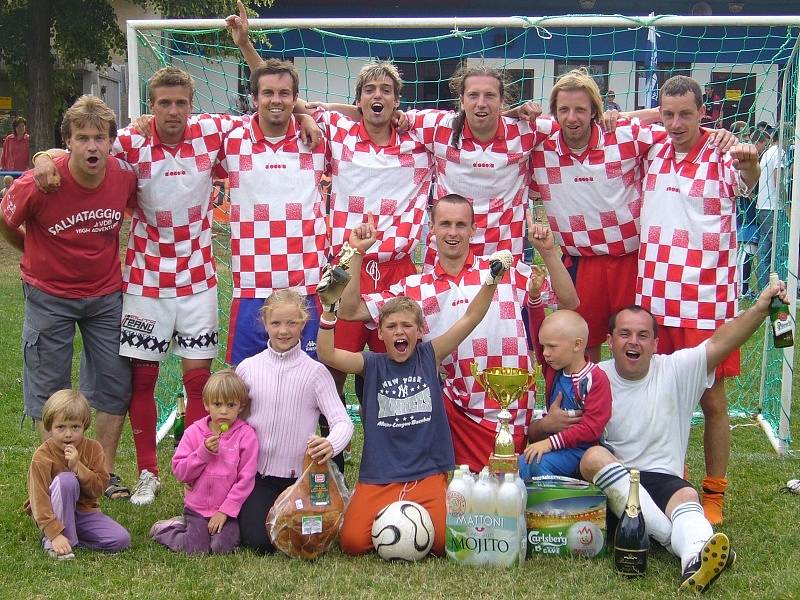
(505, 385)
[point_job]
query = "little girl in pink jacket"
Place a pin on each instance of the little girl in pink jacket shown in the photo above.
(216, 459)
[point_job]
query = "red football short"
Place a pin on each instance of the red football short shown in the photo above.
(605, 284)
(375, 277)
(671, 339)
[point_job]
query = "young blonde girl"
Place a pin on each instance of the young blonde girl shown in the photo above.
(216, 459)
(65, 480)
(288, 392)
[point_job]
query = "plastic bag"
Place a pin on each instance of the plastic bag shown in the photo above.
(304, 522)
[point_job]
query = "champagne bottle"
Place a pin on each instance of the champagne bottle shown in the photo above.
(631, 543)
(180, 423)
(780, 319)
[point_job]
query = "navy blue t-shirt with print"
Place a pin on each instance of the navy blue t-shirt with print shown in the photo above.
(406, 434)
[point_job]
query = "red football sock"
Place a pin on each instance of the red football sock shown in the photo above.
(194, 381)
(142, 414)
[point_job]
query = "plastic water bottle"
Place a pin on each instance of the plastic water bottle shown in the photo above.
(509, 503)
(484, 495)
(469, 478)
(458, 495)
(523, 521)
(523, 491)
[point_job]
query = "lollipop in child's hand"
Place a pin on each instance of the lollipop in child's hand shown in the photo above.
(224, 427)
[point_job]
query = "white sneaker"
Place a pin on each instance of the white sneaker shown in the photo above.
(793, 486)
(145, 490)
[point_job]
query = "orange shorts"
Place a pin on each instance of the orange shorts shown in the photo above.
(671, 339)
(369, 499)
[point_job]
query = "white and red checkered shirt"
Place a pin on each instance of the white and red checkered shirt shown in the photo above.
(169, 247)
(493, 176)
(687, 258)
(593, 200)
(278, 231)
(392, 182)
(498, 341)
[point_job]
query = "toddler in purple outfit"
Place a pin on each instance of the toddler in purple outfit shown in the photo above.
(216, 459)
(66, 478)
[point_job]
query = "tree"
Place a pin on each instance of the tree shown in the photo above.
(38, 36)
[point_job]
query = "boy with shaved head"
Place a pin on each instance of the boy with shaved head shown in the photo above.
(575, 388)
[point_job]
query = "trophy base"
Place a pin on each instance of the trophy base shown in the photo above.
(504, 464)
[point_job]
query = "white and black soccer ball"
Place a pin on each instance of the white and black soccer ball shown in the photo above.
(402, 530)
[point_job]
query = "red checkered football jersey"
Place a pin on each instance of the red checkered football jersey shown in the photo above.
(278, 232)
(392, 182)
(687, 259)
(498, 340)
(593, 200)
(493, 176)
(169, 247)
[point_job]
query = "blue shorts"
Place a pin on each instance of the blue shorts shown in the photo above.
(564, 463)
(247, 335)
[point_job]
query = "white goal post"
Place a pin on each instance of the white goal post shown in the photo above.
(786, 96)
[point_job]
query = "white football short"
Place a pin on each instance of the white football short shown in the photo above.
(189, 325)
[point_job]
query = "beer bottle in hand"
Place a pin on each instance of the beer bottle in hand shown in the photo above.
(631, 542)
(780, 319)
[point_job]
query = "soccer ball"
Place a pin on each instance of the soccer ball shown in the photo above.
(402, 530)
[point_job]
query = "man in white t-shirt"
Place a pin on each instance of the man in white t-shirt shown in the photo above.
(654, 396)
(767, 202)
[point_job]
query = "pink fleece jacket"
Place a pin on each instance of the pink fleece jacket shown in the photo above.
(219, 481)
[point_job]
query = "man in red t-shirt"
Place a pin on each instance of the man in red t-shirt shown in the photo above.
(71, 271)
(16, 148)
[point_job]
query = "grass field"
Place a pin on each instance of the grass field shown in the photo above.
(761, 522)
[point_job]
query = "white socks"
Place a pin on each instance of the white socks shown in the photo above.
(690, 530)
(615, 481)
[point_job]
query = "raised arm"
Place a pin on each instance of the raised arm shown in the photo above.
(736, 332)
(353, 307)
(444, 344)
(541, 238)
(745, 160)
(239, 28)
(341, 360)
(335, 289)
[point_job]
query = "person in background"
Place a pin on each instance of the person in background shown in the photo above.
(16, 148)
(610, 103)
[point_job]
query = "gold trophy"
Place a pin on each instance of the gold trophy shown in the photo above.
(539, 213)
(335, 278)
(345, 255)
(505, 385)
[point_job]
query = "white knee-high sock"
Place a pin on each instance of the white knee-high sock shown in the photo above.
(690, 530)
(615, 481)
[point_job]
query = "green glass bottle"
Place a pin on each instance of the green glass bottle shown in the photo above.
(180, 420)
(631, 543)
(780, 319)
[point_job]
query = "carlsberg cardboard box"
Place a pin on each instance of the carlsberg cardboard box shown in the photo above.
(565, 517)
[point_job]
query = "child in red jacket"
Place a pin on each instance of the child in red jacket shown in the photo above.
(572, 384)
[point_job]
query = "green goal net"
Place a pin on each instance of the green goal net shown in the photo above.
(750, 67)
